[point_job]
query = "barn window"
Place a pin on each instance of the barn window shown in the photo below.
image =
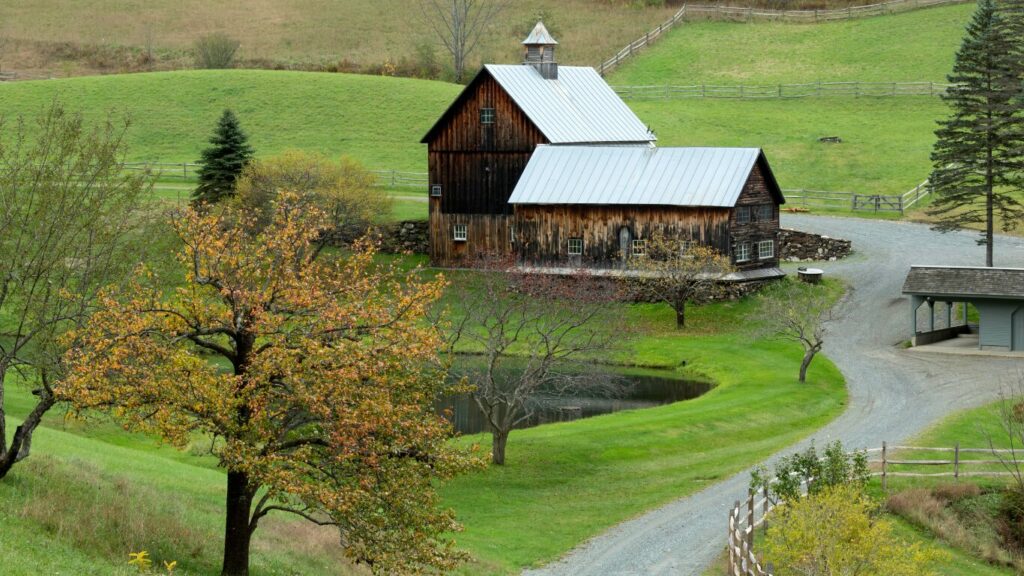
(743, 252)
(685, 246)
(742, 214)
(512, 233)
(487, 115)
(575, 246)
(435, 190)
(766, 249)
(764, 212)
(459, 233)
(639, 247)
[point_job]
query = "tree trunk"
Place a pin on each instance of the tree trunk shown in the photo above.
(21, 442)
(498, 441)
(680, 308)
(988, 225)
(808, 356)
(237, 531)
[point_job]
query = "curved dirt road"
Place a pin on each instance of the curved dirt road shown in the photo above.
(894, 393)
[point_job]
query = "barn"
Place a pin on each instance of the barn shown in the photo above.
(996, 293)
(586, 182)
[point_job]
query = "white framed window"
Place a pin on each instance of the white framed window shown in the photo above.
(742, 252)
(575, 246)
(487, 115)
(765, 249)
(764, 212)
(742, 214)
(685, 246)
(460, 232)
(435, 190)
(512, 233)
(639, 248)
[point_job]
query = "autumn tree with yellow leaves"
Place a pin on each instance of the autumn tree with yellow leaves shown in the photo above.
(311, 375)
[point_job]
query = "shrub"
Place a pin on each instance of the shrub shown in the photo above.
(833, 467)
(215, 51)
(344, 189)
(838, 531)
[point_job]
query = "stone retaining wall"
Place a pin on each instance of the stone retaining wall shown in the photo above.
(796, 246)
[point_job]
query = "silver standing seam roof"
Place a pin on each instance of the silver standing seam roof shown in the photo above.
(578, 107)
(631, 175)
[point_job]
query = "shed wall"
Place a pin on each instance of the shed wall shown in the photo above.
(994, 319)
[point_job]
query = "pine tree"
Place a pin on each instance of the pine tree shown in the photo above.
(223, 161)
(979, 152)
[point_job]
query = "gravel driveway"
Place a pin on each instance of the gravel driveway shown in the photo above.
(894, 393)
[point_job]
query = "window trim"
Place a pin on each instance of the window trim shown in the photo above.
(638, 248)
(464, 229)
(685, 246)
(771, 247)
(569, 246)
(757, 216)
(435, 191)
(488, 116)
(742, 247)
(745, 210)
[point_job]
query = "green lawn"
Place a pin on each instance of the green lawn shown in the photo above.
(563, 483)
(912, 46)
(377, 120)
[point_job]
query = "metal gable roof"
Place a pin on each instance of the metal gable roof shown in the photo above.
(967, 281)
(634, 175)
(540, 35)
(577, 108)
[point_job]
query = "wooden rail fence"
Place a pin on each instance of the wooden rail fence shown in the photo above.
(740, 14)
(856, 202)
(856, 89)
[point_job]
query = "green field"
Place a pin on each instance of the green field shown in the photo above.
(553, 493)
(912, 46)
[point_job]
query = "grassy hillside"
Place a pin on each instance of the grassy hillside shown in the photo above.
(377, 120)
(553, 493)
(357, 33)
(911, 46)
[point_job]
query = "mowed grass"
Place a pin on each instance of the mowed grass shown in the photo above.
(567, 482)
(376, 120)
(911, 46)
(885, 149)
(563, 483)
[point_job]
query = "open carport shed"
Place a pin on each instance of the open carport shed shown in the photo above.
(997, 294)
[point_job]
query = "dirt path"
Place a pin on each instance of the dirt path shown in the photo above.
(894, 393)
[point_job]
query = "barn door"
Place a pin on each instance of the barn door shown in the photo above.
(625, 242)
(1017, 330)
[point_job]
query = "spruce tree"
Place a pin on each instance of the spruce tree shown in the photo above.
(223, 161)
(979, 152)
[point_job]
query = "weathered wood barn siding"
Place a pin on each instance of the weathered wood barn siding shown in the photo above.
(477, 166)
(755, 192)
(542, 232)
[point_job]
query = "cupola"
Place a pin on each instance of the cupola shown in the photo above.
(540, 52)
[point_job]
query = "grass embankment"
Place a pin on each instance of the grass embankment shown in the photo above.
(563, 483)
(567, 482)
(908, 47)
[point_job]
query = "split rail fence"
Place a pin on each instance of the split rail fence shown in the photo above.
(855, 89)
(190, 171)
(740, 14)
(747, 515)
(856, 202)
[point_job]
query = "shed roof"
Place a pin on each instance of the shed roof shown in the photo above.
(540, 35)
(632, 175)
(965, 281)
(576, 108)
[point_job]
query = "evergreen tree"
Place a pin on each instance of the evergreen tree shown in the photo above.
(223, 161)
(979, 152)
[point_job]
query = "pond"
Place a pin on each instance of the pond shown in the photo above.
(635, 388)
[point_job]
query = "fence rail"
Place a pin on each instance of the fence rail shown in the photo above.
(956, 465)
(856, 89)
(740, 14)
(857, 202)
(190, 171)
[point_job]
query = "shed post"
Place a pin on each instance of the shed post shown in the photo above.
(949, 314)
(931, 315)
(915, 303)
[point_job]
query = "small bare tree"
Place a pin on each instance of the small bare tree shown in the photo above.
(69, 220)
(460, 24)
(678, 271)
(533, 330)
(215, 51)
(796, 312)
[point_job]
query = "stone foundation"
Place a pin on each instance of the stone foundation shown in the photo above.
(796, 246)
(412, 236)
